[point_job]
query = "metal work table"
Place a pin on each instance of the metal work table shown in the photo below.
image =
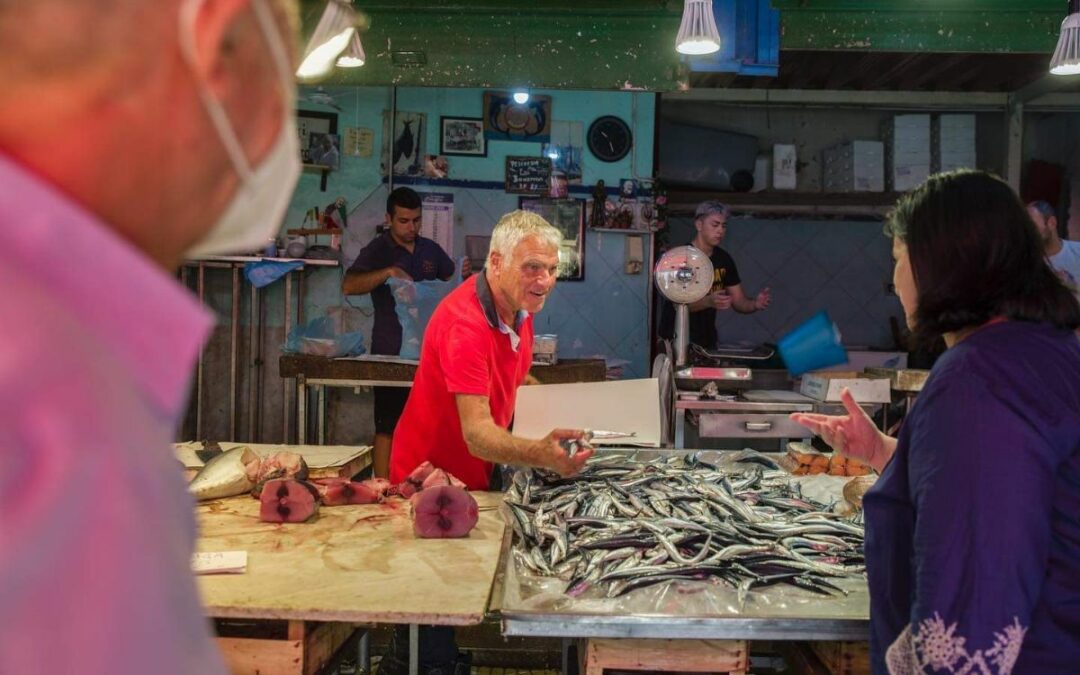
(320, 372)
(198, 268)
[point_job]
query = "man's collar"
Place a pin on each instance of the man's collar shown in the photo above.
(487, 303)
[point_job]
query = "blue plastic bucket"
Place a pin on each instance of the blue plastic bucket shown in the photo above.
(812, 345)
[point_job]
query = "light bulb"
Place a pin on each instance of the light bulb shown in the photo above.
(521, 96)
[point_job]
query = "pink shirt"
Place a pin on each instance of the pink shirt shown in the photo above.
(97, 345)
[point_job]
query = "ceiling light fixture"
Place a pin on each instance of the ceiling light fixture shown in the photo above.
(1066, 58)
(697, 32)
(521, 96)
(353, 57)
(335, 29)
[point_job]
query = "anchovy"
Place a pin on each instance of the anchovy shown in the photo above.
(622, 525)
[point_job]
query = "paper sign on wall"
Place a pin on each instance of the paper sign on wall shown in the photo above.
(359, 141)
(438, 220)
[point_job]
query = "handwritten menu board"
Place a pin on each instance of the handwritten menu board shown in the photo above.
(528, 175)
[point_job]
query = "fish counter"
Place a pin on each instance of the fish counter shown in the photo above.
(650, 544)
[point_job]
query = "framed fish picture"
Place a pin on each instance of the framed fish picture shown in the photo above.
(404, 149)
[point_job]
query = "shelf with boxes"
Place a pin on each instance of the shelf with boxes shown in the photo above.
(872, 204)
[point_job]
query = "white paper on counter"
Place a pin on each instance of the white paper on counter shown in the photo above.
(219, 562)
(620, 405)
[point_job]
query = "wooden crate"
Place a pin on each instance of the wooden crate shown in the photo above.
(699, 656)
(303, 651)
(844, 658)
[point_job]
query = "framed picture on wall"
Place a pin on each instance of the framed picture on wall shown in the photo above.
(463, 136)
(568, 216)
(310, 122)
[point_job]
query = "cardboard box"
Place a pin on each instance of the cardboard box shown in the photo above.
(826, 386)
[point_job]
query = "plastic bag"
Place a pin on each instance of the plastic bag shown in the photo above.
(414, 303)
(323, 336)
(266, 272)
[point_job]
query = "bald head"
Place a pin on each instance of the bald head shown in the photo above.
(101, 99)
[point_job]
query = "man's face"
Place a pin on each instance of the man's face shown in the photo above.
(404, 224)
(1047, 227)
(712, 228)
(525, 279)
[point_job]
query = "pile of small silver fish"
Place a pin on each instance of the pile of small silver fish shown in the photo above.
(623, 524)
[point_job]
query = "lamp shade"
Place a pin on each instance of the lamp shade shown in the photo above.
(1066, 58)
(354, 56)
(335, 29)
(697, 32)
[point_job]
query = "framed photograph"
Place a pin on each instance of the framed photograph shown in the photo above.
(324, 149)
(568, 216)
(310, 122)
(462, 136)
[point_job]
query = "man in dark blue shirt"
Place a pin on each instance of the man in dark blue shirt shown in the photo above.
(399, 252)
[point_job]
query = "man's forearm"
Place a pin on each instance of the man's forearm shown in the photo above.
(359, 283)
(744, 306)
(492, 443)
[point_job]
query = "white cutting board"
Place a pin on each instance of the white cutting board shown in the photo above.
(619, 405)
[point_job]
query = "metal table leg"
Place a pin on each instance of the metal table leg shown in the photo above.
(363, 653)
(199, 377)
(414, 649)
(565, 656)
(234, 345)
(285, 408)
(301, 409)
(680, 428)
(321, 413)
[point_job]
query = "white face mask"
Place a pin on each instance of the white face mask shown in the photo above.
(256, 211)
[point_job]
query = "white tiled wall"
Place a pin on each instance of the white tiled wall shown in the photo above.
(810, 265)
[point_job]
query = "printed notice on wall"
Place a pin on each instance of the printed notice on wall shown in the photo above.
(438, 220)
(359, 141)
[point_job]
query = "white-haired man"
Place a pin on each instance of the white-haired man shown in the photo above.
(132, 134)
(476, 352)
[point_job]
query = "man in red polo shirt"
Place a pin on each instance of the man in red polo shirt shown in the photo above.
(477, 351)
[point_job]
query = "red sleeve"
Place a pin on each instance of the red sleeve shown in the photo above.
(464, 355)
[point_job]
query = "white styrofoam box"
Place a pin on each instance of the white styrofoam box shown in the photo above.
(824, 387)
(957, 121)
(953, 142)
(784, 166)
(762, 170)
(861, 359)
(855, 166)
(905, 177)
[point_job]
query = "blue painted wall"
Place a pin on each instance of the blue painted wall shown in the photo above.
(605, 315)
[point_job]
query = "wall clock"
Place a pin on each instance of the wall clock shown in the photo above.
(609, 138)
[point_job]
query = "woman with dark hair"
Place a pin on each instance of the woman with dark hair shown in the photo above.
(973, 528)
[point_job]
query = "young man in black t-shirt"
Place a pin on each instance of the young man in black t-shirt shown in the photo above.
(399, 252)
(710, 220)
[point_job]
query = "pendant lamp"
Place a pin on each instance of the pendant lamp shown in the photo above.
(1066, 58)
(697, 32)
(335, 29)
